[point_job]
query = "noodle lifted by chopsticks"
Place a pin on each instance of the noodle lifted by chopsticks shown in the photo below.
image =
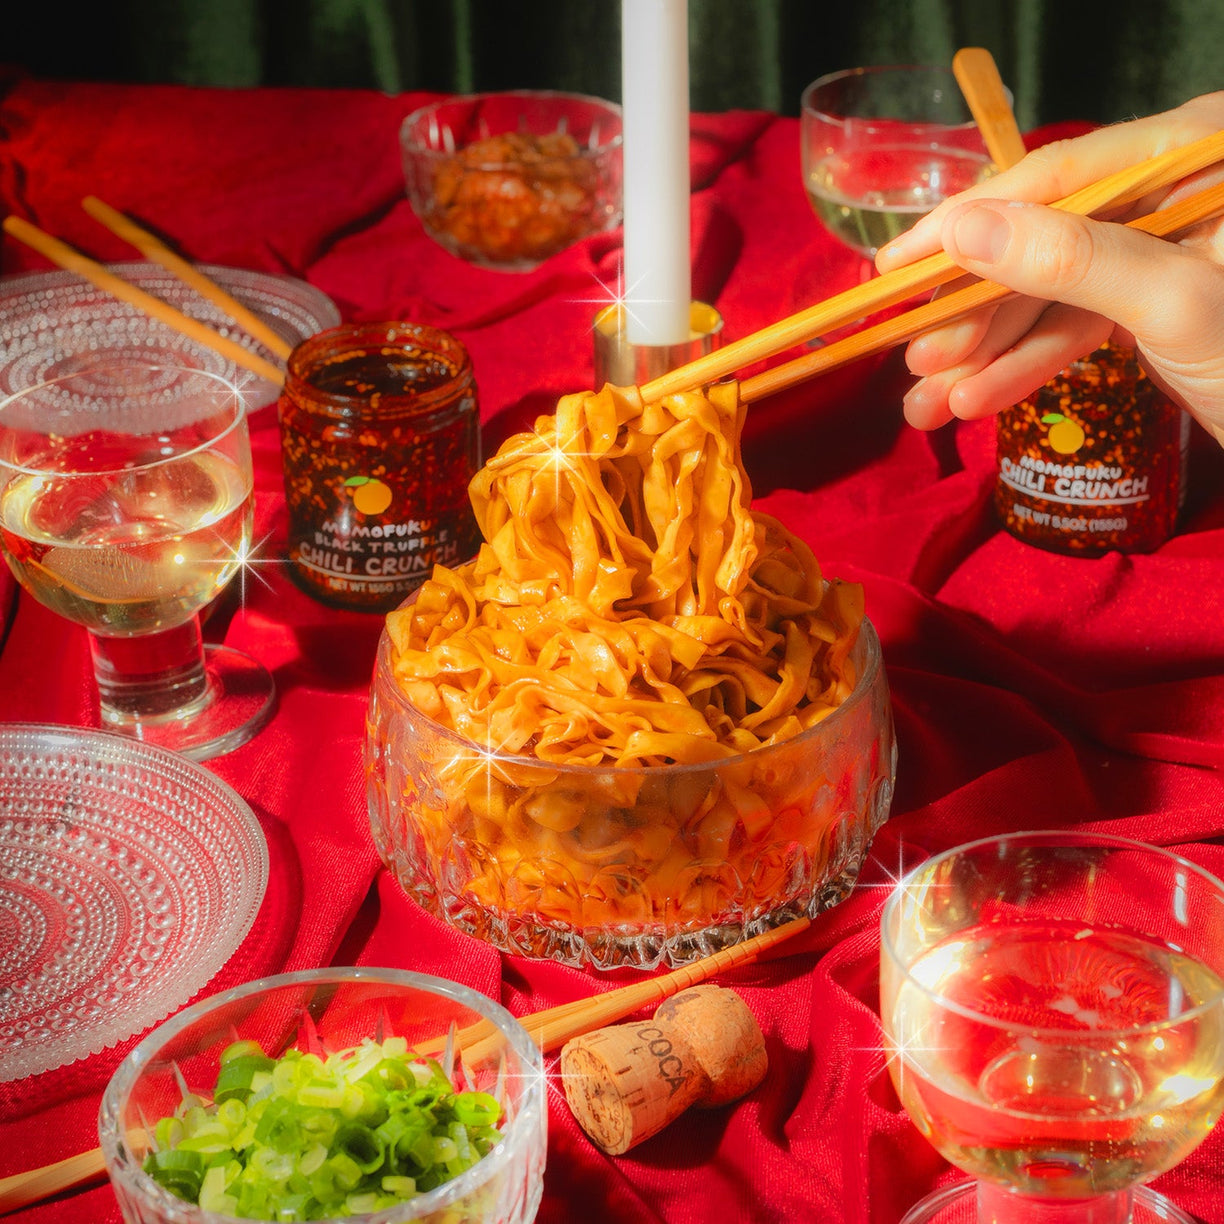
(628, 606)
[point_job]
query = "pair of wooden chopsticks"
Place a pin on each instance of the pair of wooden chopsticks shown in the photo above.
(549, 1029)
(894, 288)
(67, 257)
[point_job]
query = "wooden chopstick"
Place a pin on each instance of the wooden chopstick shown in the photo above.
(1165, 222)
(893, 288)
(21, 1189)
(549, 1029)
(67, 257)
(552, 1028)
(978, 76)
(152, 248)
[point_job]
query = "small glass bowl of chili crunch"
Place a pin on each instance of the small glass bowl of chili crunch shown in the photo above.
(506, 180)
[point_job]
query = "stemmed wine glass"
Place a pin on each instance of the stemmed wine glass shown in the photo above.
(882, 146)
(126, 507)
(1053, 1011)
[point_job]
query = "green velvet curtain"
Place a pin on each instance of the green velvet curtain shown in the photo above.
(1098, 60)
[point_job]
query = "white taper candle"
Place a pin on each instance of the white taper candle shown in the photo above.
(655, 98)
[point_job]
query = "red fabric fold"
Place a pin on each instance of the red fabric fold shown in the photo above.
(1029, 689)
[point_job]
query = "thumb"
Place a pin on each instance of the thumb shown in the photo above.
(1047, 253)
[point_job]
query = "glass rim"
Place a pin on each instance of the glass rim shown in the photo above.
(111, 1131)
(872, 665)
(413, 146)
(234, 408)
(1085, 838)
(807, 107)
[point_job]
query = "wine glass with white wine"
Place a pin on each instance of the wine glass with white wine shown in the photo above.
(1053, 1012)
(126, 507)
(882, 146)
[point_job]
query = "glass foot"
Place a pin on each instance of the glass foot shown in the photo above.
(240, 699)
(959, 1205)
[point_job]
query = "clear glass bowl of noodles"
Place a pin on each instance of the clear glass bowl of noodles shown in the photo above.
(613, 866)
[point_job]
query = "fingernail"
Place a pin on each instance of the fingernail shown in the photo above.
(911, 237)
(915, 395)
(913, 354)
(897, 244)
(981, 234)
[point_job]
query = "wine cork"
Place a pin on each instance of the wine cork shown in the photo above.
(626, 1082)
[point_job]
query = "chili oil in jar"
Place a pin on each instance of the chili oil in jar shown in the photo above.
(1093, 461)
(380, 435)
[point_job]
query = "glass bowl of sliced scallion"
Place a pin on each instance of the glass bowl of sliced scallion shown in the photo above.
(377, 1095)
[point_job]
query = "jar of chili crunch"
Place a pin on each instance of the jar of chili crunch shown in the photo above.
(1093, 461)
(380, 435)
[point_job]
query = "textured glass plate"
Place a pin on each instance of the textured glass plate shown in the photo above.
(53, 323)
(128, 876)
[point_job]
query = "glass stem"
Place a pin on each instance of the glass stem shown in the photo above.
(151, 678)
(999, 1205)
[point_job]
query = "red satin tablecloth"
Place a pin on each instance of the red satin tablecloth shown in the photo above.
(1030, 690)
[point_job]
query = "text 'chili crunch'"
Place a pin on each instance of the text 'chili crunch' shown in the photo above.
(1094, 461)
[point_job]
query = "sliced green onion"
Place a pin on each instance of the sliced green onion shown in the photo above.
(476, 1109)
(321, 1096)
(181, 1173)
(168, 1132)
(345, 1170)
(363, 1145)
(214, 1189)
(237, 1074)
(303, 1137)
(399, 1187)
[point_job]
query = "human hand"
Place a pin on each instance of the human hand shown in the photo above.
(1081, 281)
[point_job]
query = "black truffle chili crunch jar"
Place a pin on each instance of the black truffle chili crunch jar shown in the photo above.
(380, 435)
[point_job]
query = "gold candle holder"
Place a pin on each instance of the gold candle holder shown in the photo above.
(624, 364)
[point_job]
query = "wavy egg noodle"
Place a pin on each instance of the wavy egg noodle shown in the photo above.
(627, 605)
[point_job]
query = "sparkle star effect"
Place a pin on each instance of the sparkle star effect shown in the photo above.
(563, 457)
(900, 878)
(910, 893)
(249, 563)
(906, 1049)
(620, 295)
(243, 562)
(484, 759)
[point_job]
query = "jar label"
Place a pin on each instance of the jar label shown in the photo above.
(1077, 484)
(379, 558)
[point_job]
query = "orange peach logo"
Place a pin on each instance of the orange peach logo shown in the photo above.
(1066, 436)
(370, 495)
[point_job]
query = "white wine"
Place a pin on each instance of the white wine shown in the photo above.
(131, 553)
(866, 198)
(1061, 1060)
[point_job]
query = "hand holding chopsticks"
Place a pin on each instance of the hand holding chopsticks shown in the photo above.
(1080, 282)
(1165, 223)
(894, 288)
